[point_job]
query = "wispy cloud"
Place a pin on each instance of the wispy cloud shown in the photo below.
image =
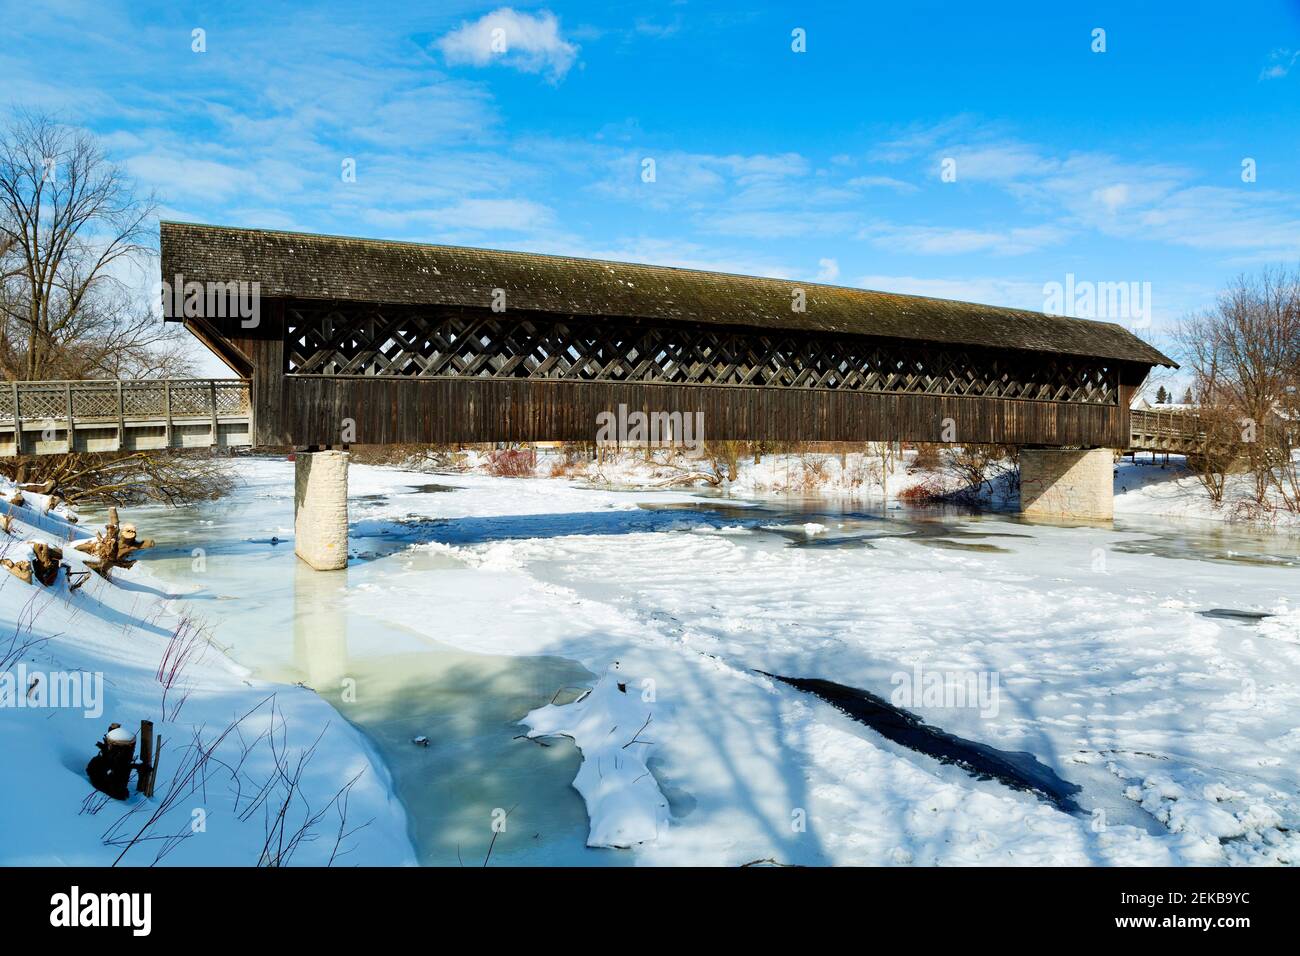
(1081, 191)
(1171, 300)
(943, 240)
(468, 215)
(995, 162)
(883, 182)
(1279, 64)
(1014, 293)
(523, 41)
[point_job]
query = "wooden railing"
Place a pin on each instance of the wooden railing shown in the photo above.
(1165, 430)
(110, 415)
(1189, 433)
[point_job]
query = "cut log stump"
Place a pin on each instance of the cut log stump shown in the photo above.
(112, 547)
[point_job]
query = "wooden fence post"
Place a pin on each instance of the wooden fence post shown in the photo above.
(146, 756)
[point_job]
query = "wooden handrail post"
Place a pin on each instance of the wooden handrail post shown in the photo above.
(167, 408)
(18, 423)
(121, 418)
(67, 407)
(212, 396)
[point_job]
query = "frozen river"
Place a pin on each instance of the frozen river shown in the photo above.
(1103, 652)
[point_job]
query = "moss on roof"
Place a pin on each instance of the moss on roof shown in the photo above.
(302, 265)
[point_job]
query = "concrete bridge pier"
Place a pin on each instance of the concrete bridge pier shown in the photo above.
(320, 509)
(1067, 483)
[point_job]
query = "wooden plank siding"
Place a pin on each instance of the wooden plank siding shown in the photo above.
(302, 410)
(401, 411)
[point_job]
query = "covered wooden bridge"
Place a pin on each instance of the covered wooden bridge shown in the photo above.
(357, 341)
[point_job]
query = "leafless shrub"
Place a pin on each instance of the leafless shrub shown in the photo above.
(725, 456)
(1252, 511)
(290, 821)
(22, 640)
(123, 478)
(927, 457)
(578, 452)
(282, 837)
(860, 470)
(512, 462)
(398, 455)
(928, 490)
(814, 472)
(974, 468)
(185, 645)
(1218, 452)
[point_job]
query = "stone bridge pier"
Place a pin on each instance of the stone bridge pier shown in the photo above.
(320, 509)
(1067, 483)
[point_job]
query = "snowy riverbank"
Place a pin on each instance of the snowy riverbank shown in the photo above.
(76, 661)
(1159, 487)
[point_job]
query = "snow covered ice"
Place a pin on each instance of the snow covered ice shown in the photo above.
(608, 724)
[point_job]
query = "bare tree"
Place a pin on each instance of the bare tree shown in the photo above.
(70, 223)
(1244, 355)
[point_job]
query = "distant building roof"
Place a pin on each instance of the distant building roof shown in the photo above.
(301, 265)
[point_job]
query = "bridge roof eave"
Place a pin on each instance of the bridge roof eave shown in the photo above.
(318, 267)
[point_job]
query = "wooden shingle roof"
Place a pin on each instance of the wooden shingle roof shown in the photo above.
(305, 266)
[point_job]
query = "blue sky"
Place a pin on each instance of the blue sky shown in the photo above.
(825, 165)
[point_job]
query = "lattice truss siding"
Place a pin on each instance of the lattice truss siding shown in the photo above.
(93, 400)
(400, 342)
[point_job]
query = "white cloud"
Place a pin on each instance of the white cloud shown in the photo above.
(1279, 64)
(767, 224)
(887, 182)
(1093, 190)
(829, 270)
(468, 215)
(527, 42)
(1112, 197)
(658, 30)
(1171, 300)
(179, 176)
(997, 163)
(1012, 293)
(949, 241)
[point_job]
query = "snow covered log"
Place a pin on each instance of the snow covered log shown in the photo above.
(613, 727)
(37, 561)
